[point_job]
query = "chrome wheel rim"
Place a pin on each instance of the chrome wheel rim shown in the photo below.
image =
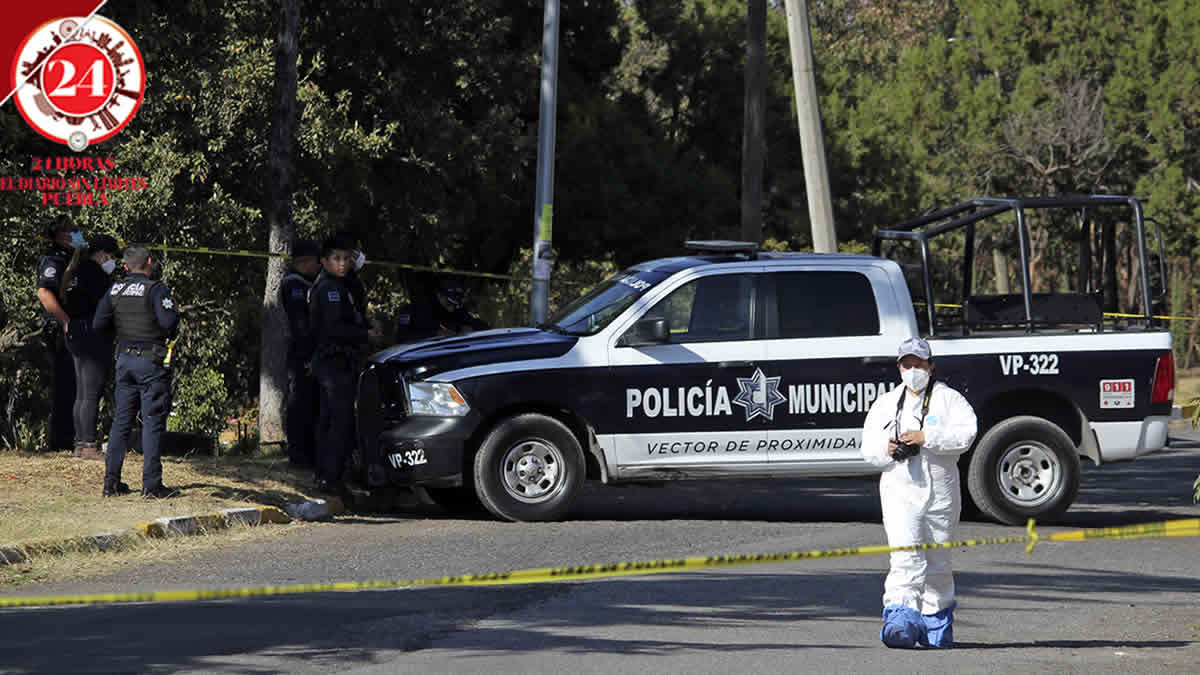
(533, 471)
(1030, 474)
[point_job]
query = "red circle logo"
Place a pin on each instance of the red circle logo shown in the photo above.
(80, 81)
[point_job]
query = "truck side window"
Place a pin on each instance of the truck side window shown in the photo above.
(825, 304)
(713, 308)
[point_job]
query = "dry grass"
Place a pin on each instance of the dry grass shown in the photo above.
(1187, 385)
(138, 552)
(54, 496)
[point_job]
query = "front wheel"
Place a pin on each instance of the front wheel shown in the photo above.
(1024, 467)
(529, 468)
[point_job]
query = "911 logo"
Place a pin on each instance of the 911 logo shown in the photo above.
(79, 83)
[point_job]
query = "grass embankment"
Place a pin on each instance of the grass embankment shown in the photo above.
(1187, 385)
(53, 496)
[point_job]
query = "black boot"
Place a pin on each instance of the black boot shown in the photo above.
(115, 488)
(160, 492)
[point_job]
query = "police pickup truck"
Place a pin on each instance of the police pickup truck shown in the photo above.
(737, 363)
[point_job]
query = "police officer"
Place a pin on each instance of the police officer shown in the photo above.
(64, 237)
(86, 281)
(916, 433)
(339, 334)
(145, 317)
(443, 315)
(303, 403)
(353, 281)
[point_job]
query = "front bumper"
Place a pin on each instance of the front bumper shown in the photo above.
(425, 451)
(402, 449)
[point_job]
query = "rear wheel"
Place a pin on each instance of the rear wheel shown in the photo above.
(529, 468)
(1024, 467)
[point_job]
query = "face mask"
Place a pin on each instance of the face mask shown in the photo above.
(360, 261)
(76, 240)
(108, 266)
(915, 378)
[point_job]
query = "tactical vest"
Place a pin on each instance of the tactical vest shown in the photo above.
(133, 313)
(285, 287)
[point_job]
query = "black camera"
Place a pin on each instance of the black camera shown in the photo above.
(905, 451)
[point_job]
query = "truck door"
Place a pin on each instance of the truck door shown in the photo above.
(828, 346)
(680, 401)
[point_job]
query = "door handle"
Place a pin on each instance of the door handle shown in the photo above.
(735, 364)
(878, 360)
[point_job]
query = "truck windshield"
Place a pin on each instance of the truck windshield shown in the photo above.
(590, 313)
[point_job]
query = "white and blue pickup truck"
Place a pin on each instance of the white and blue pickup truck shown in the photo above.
(736, 363)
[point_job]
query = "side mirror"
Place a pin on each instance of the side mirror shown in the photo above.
(648, 331)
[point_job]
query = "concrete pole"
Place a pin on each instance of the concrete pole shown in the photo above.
(539, 296)
(808, 112)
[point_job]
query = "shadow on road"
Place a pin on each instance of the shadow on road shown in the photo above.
(660, 615)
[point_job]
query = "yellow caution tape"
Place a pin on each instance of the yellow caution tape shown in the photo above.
(1170, 528)
(260, 254)
(1176, 528)
(1119, 315)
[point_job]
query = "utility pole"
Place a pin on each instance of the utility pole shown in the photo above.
(754, 113)
(812, 143)
(543, 212)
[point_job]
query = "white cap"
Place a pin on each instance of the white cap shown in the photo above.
(915, 346)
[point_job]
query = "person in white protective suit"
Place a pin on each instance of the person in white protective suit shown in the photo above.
(916, 433)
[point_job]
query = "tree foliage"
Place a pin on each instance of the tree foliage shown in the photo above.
(417, 127)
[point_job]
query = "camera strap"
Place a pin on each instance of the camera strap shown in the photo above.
(926, 398)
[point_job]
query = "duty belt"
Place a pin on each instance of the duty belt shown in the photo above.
(152, 349)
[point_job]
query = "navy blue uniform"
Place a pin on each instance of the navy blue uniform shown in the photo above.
(303, 402)
(339, 333)
(145, 316)
(50, 270)
(91, 349)
(429, 319)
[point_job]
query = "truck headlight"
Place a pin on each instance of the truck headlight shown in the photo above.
(436, 398)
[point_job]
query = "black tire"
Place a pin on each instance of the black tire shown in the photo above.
(529, 468)
(458, 501)
(1024, 467)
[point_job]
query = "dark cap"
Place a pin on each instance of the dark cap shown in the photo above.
(304, 248)
(103, 242)
(62, 223)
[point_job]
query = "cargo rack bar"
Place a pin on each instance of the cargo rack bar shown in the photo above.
(966, 214)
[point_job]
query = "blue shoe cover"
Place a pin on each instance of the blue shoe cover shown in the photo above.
(939, 628)
(902, 627)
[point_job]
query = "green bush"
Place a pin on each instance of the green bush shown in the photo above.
(506, 304)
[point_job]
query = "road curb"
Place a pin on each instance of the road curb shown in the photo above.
(174, 526)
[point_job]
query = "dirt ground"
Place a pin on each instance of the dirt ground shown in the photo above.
(52, 496)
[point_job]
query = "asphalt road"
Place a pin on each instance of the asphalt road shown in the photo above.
(1128, 606)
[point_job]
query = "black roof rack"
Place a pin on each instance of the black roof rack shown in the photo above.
(966, 214)
(723, 246)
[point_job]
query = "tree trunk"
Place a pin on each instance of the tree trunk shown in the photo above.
(272, 381)
(1109, 272)
(755, 120)
(1000, 264)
